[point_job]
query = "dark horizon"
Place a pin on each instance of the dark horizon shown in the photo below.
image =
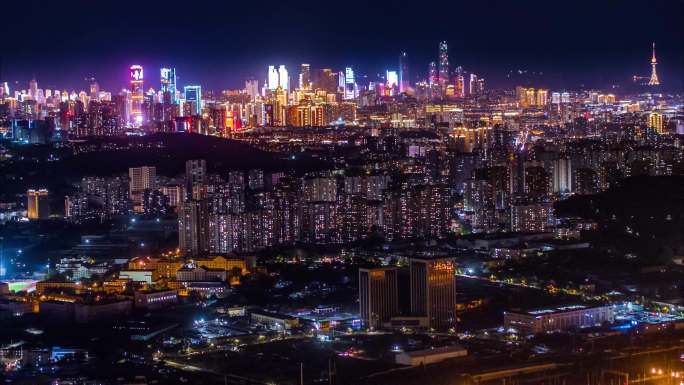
(581, 44)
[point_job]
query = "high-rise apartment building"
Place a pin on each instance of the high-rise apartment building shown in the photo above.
(193, 228)
(140, 179)
(195, 172)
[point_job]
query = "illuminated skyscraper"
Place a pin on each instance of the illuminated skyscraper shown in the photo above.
(433, 79)
(37, 204)
(4, 89)
(349, 84)
(653, 81)
(460, 86)
(193, 94)
(542, 97)
(137, 94)
(283, 78)
(443, 65)
(252, 88)
(655, 121)
(33, 88)
(378, 295)
(305, 77)
(433, 290)
(404, 79)
(94, 90)
(272, 80)
(168, 83)
(392, 81)
(472, 84)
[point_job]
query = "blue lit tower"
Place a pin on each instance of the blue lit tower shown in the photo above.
(349, 84)
(168, 83)
(194, 94)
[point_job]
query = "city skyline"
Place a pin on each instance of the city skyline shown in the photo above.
(437, 193)
(504, 39)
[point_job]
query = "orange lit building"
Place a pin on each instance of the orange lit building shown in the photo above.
(37, 204)
(221, 262)
(433, 291)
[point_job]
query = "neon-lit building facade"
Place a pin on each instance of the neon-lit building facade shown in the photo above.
(168, 82)
(194, 94)
(392, 81)
(404, 81)
(137, 94)
(349, 84)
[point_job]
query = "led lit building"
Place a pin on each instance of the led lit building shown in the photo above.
(137, 94)
(433, 290)
(305, 77)
(404, 78)
(378, 295)
(37, 204)
(562, 176)
(349, 84)
(392, 81)
(193, 95)
(168, 83)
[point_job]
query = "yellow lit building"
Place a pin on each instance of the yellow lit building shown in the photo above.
(43, 286)
(37, 204)
(433, 290)
(655, 121)
(163, 268)
(606, 99)
(220, 262)
(542, 97)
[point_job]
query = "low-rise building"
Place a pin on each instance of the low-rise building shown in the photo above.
(430, 356)
(282, 321)
(557, 318)
(155, 299)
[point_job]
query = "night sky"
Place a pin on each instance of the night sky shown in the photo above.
(220, 43)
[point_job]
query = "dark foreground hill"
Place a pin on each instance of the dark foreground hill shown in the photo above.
(112, 156)
(643, 215)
